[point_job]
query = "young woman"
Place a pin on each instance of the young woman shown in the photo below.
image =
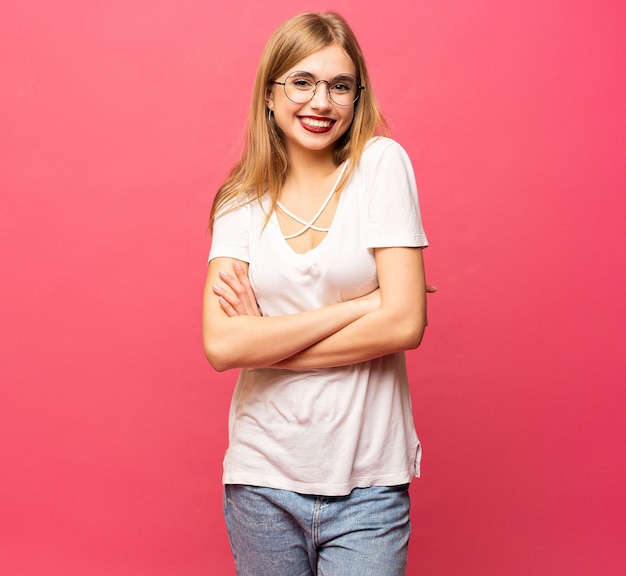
(315, 289)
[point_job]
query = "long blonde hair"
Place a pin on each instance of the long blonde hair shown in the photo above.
(264, 163)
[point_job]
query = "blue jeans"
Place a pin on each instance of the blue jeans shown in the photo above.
(281, 533)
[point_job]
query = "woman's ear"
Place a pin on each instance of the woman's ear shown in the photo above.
(269, 97)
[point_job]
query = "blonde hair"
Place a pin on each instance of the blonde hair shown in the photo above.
(264, 163)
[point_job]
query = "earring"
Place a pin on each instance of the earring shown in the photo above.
(269, 115)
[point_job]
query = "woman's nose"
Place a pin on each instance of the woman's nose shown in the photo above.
(321, 98)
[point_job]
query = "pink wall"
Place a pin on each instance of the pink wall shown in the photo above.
(117, 122)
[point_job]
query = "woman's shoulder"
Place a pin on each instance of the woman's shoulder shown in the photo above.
(379, 145)
(382, 150)
(242, 202)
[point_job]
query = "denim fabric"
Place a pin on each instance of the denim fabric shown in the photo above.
(281, 533)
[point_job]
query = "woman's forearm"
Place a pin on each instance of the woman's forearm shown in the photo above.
(390, 320)
(371, 336)
(256, 341)
(398, 324)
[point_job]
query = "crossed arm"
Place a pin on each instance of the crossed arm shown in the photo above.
(390, 319)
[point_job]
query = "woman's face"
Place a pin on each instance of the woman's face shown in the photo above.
(318, 123)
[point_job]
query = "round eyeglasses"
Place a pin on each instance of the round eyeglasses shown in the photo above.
(300, 87)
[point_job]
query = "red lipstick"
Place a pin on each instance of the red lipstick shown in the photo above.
(316, 124)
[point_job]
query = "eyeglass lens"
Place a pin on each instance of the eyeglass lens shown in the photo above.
(300, 87)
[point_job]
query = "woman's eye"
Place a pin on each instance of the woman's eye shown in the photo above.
(341, 88)
(301, 83)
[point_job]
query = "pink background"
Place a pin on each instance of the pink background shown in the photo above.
(118, 121)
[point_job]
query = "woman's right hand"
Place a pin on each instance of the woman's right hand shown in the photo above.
(238, 298)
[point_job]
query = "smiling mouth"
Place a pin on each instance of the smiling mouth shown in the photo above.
(316, 123)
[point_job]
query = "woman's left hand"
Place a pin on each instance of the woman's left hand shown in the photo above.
(238, 298)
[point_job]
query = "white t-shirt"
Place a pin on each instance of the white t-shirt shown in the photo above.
(325, 431)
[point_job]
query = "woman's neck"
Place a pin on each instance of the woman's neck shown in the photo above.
(310, 165)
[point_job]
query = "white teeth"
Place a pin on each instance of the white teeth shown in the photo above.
(317, 123)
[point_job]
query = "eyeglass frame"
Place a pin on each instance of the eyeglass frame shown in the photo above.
(359, 88)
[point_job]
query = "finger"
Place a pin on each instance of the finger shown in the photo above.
(230, 311)
(236, 307)
(242, 299)
(230, 281)
(241, 275)
(250, 298)
(235, 285)
(430, 288)
(246, 293)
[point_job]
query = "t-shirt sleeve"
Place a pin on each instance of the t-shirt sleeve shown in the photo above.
(230, 237)
(394, 217)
